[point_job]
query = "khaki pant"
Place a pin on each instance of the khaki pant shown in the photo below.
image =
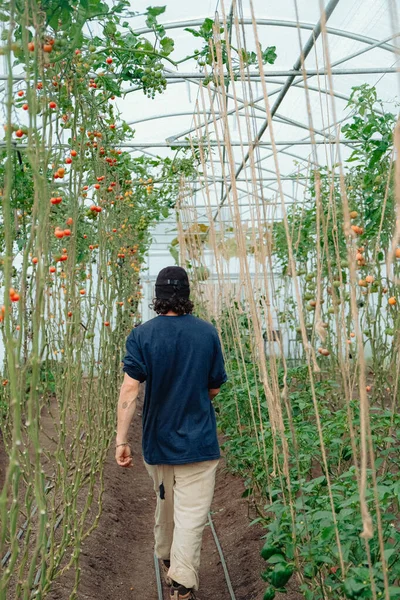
(182, 515)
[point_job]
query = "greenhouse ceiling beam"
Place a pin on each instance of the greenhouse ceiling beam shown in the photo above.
(293, 178)
(257, 143)
(253, 104)
(281, 151)
(296, 72)
(256, 77)
(282, 119)
(317, 30)
(276, 23)
(299, 83)
(163, 116)
(285, 150)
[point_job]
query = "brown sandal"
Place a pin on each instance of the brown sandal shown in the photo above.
(181, 593)
(164, 571)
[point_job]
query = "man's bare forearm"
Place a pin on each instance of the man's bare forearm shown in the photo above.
(126, 408)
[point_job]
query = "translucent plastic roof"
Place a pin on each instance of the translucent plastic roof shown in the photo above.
(362, 45)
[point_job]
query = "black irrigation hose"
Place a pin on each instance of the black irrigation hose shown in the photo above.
(222, 558)
(158, 578)
(221, 555)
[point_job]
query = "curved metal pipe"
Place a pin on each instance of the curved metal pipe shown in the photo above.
(277, 23)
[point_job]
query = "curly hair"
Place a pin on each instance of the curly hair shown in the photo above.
(176, 304)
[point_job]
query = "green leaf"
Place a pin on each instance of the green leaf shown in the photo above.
(205, 31)
(276, 558)
(352, 588)
(155, 11)
(207, 26)
(322, 515)
(110, 28)
(167, 45)
(175, 254)
(388, 553)
(192, 31)
(93, 8)
(269, 55)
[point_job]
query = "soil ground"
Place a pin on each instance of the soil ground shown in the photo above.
(117, 558)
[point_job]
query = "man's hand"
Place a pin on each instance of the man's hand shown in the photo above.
(126, 410)
(123, 456)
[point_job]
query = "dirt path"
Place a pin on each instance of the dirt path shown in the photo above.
(117, 560)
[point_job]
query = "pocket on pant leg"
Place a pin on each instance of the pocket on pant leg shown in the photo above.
(153, 472)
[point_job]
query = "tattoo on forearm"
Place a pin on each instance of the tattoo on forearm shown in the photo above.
(124, 405)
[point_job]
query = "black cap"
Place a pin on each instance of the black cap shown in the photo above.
(172, 281)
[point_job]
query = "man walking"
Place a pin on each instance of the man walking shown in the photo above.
(180, 358)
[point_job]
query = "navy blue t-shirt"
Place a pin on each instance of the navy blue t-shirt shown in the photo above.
(180, 358)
